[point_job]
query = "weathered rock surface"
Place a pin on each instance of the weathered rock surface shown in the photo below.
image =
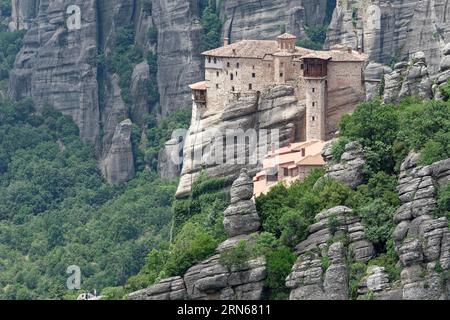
(256, 19)
(276, 108)
(408, 79)
(377, 283)
(311, 279)
(209, 280)
(169, 162)
(118, 164)
(58, 67)
(22, 14)
(421, 240)
(241, 216)
(390, 29)
(349, 170)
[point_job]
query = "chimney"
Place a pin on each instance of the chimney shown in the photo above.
(226, 41)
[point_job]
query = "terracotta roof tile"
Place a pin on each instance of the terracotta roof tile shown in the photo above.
(287, 36)
(199, 86)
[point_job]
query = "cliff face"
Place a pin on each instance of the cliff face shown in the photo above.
(391, 30)
(59, 66)
(256, 19)
(276, 108)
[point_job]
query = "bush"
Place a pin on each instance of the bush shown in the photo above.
(279, 265)
(193, 244)
(236, 258)
(377, 218)
(443, 200)
(338, 148)
(212, 27)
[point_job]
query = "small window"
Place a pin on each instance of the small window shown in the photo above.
(236, 73)
(313, 118)
(281, 75)
(217, 86)
(228, 64)
(301, 66)
(313, 104)
(253, 67)
(237, 65)
(313, 90)
(209, 59)
(215, 60)
(286, 172)
(253, 75)
(231, 76)
(250, 87)
(233, 89)
(217, 73)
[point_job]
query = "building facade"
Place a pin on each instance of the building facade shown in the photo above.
(330, 83)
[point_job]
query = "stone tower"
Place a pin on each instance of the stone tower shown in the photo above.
(315, 72)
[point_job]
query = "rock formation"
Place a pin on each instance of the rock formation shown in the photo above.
(169, 161)
(444, 72)
(320, 272)
(256, 19)
(421, 240)
(408, 79)
(349, 170)
(58, 67)
(390, 30)
(22, 14)
(118, 165)
(209, 280)
(276, 108)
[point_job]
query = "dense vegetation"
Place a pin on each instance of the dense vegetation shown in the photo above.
(57, 211)
(387, 133)
(197, 230)
(212, 26)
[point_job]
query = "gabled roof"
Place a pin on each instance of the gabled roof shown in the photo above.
(199, 86)
(287, 36)
(245, 49)
(337, 55)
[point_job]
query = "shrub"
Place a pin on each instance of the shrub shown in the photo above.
(338, 148)
(193, 244)
(377, 217)
(236, 258)
(443, 200)
(279, 265)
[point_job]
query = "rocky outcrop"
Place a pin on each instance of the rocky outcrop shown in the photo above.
(276, 108)
(256, 19)
(22, 14)
(444, 72)
(376, 282)
(241, 216)
(118, 165)
(421, 240)
(374, 75)
(209, 280)
(169, 161)
(58, 67)
(320, 272)
(408, 79)
(392, 30)
(349, 170)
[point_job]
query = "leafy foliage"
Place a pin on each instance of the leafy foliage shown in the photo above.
(56, 210)
(212, 27)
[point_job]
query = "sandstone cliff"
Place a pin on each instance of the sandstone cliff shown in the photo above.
(276, 108)
(391, 30)
(210, 280)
